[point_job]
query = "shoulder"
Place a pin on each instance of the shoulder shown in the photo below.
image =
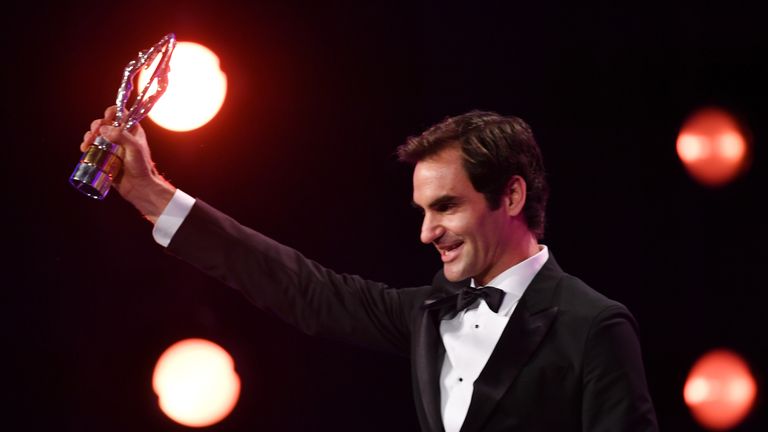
(582, 306)
(553, 287)
(576, 294)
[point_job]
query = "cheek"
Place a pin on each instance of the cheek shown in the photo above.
(476, 242)
(488, 233)
(460, 224)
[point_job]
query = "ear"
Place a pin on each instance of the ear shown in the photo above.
(514, 196)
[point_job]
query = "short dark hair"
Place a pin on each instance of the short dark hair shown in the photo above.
(494, 149)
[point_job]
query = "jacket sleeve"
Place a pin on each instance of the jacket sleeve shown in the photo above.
(615, 394)
(303, 293)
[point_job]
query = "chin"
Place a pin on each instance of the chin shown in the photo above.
(454, 275)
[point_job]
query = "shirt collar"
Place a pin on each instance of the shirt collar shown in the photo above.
(514, 280)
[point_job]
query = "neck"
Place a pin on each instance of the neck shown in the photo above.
(519, 248)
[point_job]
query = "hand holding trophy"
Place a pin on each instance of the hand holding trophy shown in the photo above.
(100, 165)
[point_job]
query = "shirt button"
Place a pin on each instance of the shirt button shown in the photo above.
(461, 379)
(477, 325)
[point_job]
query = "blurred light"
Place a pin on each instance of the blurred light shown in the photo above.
(720, 390)
(712, 147)
(196, 88)
(196, 382)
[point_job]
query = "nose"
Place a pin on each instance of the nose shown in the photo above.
(431, 229)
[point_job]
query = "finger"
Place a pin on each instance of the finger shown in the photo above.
(109, 113)
(137, 130)
(111, 133)
(96, 124)
(88, 138)
(117, 135)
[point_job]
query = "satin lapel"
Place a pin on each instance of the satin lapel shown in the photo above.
(429, 352)
(524, 332)
(428, 355)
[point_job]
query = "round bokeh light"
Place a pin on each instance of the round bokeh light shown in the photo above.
(713, 147)
(720, 390)
(196, 382)
(196, 88)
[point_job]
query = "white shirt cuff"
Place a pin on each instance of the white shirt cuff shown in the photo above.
(172, 217)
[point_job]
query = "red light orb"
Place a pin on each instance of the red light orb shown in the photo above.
(196, 383)
(713, 147)
(720, 390)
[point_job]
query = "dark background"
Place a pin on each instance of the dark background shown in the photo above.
(320, 95)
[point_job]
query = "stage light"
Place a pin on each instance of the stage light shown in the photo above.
(720, 390)
(713, 147)
(196, 382)
(196, 89)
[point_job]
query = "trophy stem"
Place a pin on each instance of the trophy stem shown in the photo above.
(98, 168)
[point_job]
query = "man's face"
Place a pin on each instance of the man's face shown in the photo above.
(470, 237)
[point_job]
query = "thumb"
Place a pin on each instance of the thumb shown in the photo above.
(117, 135)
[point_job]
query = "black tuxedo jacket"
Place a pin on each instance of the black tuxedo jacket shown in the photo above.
(568, 359)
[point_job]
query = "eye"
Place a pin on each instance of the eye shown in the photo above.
(445, 207)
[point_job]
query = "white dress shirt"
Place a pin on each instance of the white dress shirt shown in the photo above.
(172, 217)
(469, 337)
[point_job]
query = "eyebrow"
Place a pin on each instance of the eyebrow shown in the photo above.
(438, 202)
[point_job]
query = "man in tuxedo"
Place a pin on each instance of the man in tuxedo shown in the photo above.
(503, 339)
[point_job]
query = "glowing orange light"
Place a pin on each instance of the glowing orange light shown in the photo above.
(196, 382)
(712, 147)
(720, 390)
(196, 88)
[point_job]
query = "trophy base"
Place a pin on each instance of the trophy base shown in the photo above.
(98, 168)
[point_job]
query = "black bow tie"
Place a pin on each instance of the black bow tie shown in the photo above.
(453, 304)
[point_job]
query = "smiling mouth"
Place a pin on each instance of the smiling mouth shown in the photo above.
(448, 253)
